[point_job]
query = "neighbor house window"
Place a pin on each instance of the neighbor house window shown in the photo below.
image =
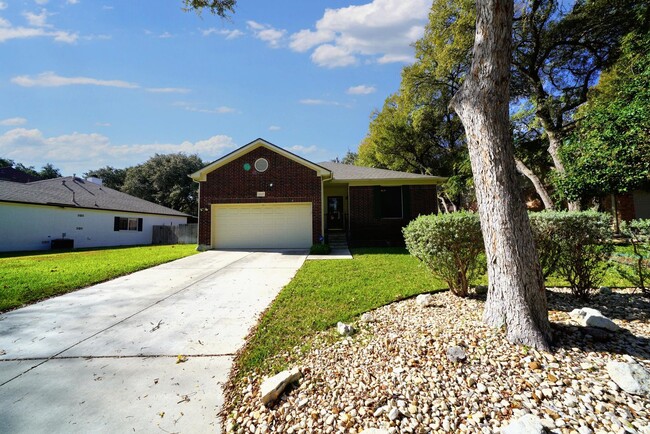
(127, 224)
(390, 202)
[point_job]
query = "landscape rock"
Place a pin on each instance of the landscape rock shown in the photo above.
(631, 377)
(367, 318)
(344, 329)
(456, 354)
(374, 431)
(272, 387)
(527, 424)
(400, 362)
(593, 318)
(605, 290)
(425, 300)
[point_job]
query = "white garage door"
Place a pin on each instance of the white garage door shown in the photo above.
(268, 225)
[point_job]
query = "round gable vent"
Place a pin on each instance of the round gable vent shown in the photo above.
(261, 164)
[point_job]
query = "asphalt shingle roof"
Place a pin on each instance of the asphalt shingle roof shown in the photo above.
(349, 172)
(75, 192)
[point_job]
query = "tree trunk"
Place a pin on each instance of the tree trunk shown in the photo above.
(539, 187)
(554, 143)
(516, 296)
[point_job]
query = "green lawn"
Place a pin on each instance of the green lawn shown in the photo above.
(325, 292)
(28, 277)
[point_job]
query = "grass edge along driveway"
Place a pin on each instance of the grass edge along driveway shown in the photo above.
(28, 277)
(325, 292)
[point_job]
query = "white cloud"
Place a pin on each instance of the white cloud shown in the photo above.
(50, 79)
(37, 20)
(41, 2)
(13, 122)
(215, 111)
(39, 29)
(165, 35)
(266, 33)
(72, 2)
(107, 8)
(331, 56)
(77, 151)
(274, 128)
(229, 34)
(168, 90)
(382, 30)
(3, 6)
(362, 89)
(102, 124)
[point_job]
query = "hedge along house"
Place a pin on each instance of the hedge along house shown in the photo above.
(72, 212)
(262, 196)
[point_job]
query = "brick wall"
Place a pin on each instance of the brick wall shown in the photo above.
(284, 181)
(367, 230)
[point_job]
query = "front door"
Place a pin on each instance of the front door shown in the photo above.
(335, 212)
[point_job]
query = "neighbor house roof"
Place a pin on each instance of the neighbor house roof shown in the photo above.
(77, 193)
(10, 174)
(202, 174)
(350, 173)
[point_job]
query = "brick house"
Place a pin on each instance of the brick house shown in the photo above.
(262, 196)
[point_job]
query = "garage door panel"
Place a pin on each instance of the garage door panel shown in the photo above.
(281, 225)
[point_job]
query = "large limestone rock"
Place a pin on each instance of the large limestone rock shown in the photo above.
(425, 300)
(456, 354)
(593, 318)
(344, 329)
(527, 424)
(631, 377)
(272, 387)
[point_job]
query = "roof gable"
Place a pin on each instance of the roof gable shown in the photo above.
(202, 174)
(77, 193)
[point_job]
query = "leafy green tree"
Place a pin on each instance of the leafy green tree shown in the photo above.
(5, 162)
(164, 179)
(49, 172)
(349, 157)
(558, 55)
(416, 131)
(110, 176)
(217, 7)
(609, 151)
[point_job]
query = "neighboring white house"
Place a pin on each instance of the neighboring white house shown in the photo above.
(34, 214)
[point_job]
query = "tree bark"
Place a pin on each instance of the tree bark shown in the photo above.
(516, 296)
(539, 187)
(554, 143)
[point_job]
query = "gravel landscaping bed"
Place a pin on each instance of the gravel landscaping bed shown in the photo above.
(394, 374)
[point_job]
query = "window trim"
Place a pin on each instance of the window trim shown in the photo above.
(380, 206)
(127, 224)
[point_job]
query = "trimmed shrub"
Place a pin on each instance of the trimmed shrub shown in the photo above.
(320, 249)
(450, 245)
(638, 272)
(576, 245)
(546, 227)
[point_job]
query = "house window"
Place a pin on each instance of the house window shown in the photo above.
(127, 224)
(390, 202)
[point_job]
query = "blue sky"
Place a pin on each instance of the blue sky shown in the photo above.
(86, 83)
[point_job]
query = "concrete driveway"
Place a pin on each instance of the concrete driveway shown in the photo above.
(104, 359)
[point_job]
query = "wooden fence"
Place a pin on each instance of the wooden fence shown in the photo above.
(180, 234)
